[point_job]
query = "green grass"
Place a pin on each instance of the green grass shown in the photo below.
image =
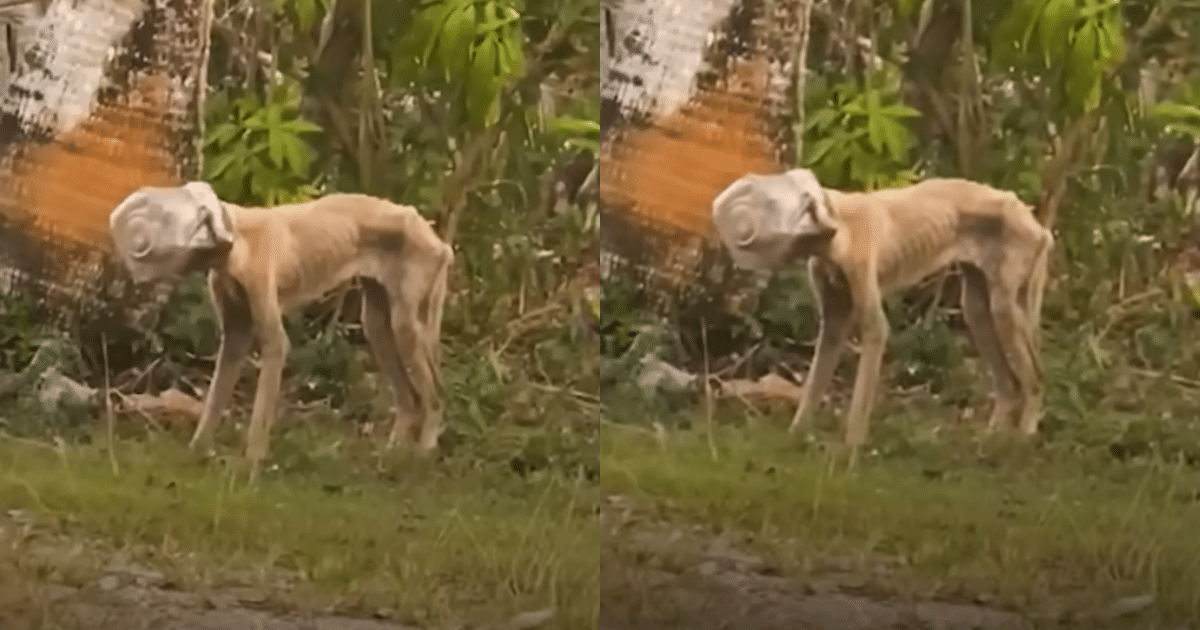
(1043, 529)
(464, 540)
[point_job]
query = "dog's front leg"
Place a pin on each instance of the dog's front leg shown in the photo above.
(873, 327)
(273, 345)
(236, 330)
(836, 312)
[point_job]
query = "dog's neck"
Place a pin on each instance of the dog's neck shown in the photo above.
(805, 247)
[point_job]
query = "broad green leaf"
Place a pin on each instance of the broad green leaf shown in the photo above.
(1058, 19)
(854, 108)
(306, 13)
(573, 125)
(456, 36)
(495, 17)
(900, 110)
(819, 120)
(256, 121)
(1031, 12)
(274, 137)
(1169, 109)
(586, 144)
(481, 85)
(819, 150)
(1085, 49)
(1112, 40)
(297, 154)
(1096, 8)
(512, 45)
(430, 23)
(299, 125)
(896, 138)
(219, 165)
(221, 134)
(874, 131)
(1187, 129)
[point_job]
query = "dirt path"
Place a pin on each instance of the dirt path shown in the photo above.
(51, 580)
(655, 577)
(150, 608)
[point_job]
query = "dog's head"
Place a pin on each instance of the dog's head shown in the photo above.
(169, 233)
(765, 220)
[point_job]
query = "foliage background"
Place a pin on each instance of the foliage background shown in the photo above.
(481, 113)
(1086, 108)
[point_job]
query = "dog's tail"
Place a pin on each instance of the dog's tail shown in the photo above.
(436, 299)
(1035, 288)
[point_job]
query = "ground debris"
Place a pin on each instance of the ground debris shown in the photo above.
(171, 404)
(659, 577)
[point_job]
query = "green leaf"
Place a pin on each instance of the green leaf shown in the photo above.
(577, 126)
(586, 144)
(1169, 109)
(1182, 128)
(1058, 19)
(495, 17)
(306, 14)
(900, 110)
(896, 138)
(429, 23)
(1112, 34)
(874, 131)
(256, 121)
(856, 106)
(297, 154)
(819, 150)
(221, 134)
(1097, 8)
(456, 36)
(482, 82)
(1031, 12)
(217, 166)
(274, 136)
(299, 126)
(1085, 48)
(821, 119)
(512, 45)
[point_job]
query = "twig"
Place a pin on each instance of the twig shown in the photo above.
(149, 418)
(108, 410)
(1178, 380)
(27, 441)
(740, 361)
(708, 397)
(801, 66)
(143, 373)
(584, 396)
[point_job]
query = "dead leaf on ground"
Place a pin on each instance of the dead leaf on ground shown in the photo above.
(170, 404)
(769, 387)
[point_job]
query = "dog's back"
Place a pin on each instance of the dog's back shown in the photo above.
(318, 245)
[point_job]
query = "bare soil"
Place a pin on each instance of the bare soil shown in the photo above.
(656, 576)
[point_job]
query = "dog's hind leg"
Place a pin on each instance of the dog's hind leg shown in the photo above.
(377, 328)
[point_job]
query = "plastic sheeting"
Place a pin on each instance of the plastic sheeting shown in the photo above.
(695, 94)
(101, 97)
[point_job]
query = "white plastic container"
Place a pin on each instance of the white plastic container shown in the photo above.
(760, 218)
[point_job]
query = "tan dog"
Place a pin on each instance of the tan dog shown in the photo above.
(262, 262)
(863, 246)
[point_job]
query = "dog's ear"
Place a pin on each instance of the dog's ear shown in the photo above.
(822, 209)
(218, 218)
